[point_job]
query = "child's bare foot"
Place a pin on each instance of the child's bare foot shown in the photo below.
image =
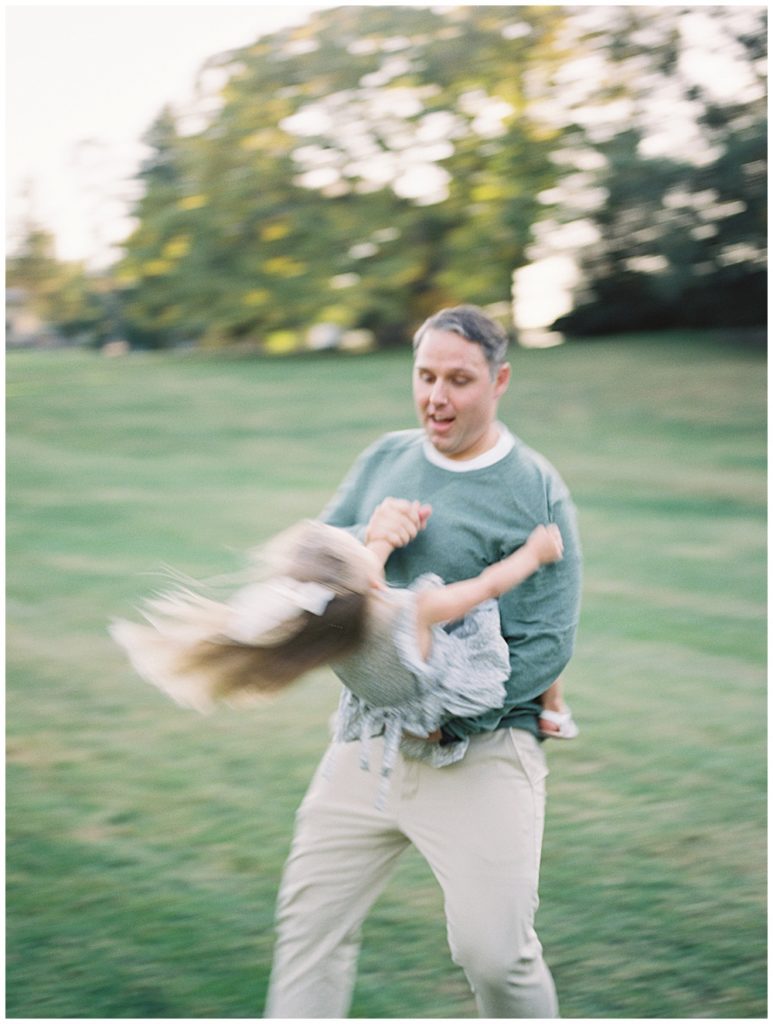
(558, 725)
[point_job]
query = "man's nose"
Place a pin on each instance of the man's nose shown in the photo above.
(437, 394)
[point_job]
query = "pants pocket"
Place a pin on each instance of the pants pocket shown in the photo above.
(529, 752)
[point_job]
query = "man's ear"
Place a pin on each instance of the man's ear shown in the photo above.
(502, 380)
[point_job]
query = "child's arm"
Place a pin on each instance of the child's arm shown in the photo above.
(394, 524)
(451, 602)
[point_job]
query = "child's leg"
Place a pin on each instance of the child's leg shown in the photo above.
(553, 698)
(556, 719)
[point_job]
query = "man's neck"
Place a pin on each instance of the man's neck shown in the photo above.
(503, 443)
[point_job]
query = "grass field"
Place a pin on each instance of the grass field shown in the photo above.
(144, 843)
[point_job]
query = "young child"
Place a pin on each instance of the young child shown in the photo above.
(325, 601)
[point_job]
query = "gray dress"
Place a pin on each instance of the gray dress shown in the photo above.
(390, 689)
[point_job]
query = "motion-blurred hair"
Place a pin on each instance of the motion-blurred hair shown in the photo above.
(472, 324)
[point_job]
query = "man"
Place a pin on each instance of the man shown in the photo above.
(478, 822)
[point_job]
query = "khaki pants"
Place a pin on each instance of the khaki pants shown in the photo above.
(478, 823)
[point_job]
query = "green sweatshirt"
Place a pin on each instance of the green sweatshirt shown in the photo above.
(479, 515)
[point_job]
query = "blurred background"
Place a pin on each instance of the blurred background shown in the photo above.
(251, 209)
(365, 165)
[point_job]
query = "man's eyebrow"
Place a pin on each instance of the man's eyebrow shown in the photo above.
(466, 370)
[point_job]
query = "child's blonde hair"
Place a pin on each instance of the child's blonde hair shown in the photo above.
(309, 608)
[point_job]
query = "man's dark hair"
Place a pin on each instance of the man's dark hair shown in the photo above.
(472, 324)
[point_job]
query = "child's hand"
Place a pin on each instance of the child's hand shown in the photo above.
(546, 543)
(396, 522)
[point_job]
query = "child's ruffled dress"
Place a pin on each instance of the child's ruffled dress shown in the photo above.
(389, 688)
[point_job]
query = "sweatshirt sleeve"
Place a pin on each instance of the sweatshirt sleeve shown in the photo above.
(539, 622)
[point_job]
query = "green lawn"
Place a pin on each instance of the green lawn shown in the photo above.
(145, 843)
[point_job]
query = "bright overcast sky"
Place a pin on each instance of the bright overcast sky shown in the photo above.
(101, 74)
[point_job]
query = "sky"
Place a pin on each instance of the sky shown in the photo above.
(83, 84)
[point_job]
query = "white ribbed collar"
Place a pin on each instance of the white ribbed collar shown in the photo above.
(487, 458)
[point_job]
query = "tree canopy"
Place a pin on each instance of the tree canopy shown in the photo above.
(375, 163)
(680, 222)
(359, 170)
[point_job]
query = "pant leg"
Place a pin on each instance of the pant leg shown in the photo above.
(479, 825)
(342, 853)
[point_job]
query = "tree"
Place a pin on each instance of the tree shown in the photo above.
(162, 298)
(61, 294)
(681, 228)
(361, 169)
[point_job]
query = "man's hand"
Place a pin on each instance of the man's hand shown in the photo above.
(396, 521)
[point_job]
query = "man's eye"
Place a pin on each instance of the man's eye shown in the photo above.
(459, 382)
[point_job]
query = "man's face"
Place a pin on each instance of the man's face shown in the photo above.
(456, 399)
